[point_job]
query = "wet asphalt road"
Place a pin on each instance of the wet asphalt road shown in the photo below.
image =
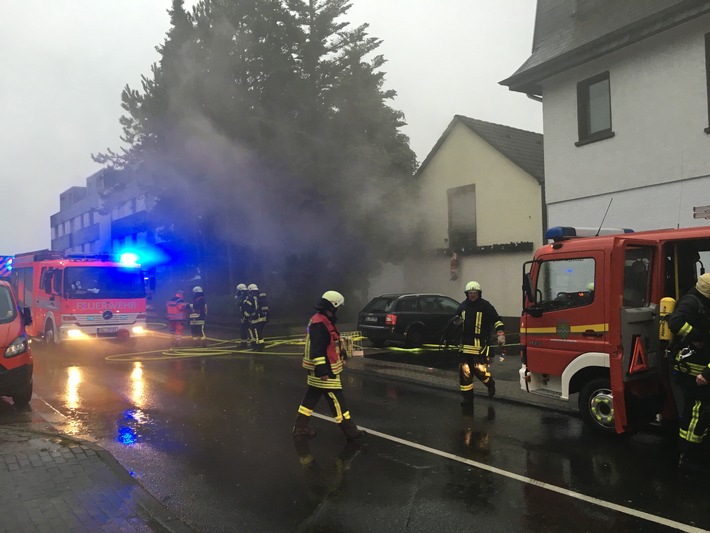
(210, 438)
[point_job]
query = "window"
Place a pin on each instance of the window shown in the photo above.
(462, 217)
(707, 75)
(565, 283)
(407, 304)
(637, 262)
(87, 219)
(594, 109)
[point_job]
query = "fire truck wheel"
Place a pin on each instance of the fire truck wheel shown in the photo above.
(49, 338)
(596, 405)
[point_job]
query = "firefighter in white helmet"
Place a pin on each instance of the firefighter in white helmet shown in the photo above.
(239, 298)
(478, 318)
(198, 315)
(324, 359)
(256, 313)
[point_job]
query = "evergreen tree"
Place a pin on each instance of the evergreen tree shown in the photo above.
(265, 128)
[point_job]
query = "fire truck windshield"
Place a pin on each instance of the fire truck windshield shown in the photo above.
(100, 283)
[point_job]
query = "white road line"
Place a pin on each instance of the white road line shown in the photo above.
(530, 481)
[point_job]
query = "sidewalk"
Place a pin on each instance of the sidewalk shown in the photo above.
(56, 483)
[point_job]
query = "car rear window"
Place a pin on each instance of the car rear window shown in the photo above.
(379, 305)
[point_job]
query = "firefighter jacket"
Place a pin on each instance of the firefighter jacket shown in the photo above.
(690, 322)
(240, 298)
(479, 317)
(322, 356)
(255, 308)
(198, 310)
(176, 309)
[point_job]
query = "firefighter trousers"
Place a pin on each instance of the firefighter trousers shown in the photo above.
(256, 334)
(473, 365)
(334, 397)
(695, 417)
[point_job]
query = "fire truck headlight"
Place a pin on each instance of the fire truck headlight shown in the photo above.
(138, 330)
(73, 333)
(17, 347)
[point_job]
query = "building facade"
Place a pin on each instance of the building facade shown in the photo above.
(625, 90)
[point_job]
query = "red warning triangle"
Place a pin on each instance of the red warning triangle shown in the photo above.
(638, 358)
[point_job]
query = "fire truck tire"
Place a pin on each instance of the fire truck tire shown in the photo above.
(414, 337)
(596, 405)
(23, 397)
(49, 338)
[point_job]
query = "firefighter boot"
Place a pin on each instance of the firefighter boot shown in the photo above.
(690, 458)
(491, 387)
(301, 429)
(351, 430)
(467, 402)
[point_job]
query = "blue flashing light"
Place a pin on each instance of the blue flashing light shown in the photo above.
(558, 233)
(129, 259)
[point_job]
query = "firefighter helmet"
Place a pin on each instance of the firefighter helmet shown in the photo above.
(472, 286)
(197, 289)
(253, 287)
(241, 287)
(334, 297)
(179, 293)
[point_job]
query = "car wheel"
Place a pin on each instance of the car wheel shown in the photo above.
(596, 405)
(414, 337)
(49, 338)
(23, 397)
(377, 343)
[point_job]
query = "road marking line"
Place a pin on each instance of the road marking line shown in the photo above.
(530, 481)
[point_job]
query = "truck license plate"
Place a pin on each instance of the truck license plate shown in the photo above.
(107, 330)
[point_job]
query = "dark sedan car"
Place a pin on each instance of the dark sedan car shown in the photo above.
(413, 319)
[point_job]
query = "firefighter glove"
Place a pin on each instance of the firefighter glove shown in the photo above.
(501, 339)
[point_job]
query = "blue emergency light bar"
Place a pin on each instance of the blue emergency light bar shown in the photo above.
(559, 233)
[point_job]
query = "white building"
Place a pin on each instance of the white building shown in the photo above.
(626, 109)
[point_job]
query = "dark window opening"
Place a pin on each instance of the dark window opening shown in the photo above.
(594, 109)
(707, 75)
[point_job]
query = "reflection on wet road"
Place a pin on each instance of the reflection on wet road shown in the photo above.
(211, 438)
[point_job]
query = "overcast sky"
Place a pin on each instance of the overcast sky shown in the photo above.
(65, 62)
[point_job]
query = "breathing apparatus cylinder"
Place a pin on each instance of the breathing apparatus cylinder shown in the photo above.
(666, 308)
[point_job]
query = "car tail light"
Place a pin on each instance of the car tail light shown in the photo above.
(391, 320)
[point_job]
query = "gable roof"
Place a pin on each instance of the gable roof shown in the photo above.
(569, 33)
(524, 148)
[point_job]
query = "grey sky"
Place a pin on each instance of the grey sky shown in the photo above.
(65, 62)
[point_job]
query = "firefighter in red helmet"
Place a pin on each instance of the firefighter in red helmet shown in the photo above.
(177, 315)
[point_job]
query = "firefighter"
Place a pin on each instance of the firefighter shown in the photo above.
(690, 325)
(177, 309)
(478, 317)
(324, 360)
(256, 312)
(239, 298)
(198, 314)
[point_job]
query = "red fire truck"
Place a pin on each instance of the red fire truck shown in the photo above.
(79, 297)
(591, 323)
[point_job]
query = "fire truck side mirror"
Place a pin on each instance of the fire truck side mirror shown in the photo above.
(47, 282)
(534, 311)
(527, 288)
(27, 315)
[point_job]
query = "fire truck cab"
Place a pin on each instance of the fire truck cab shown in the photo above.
(80, 297)
(593, 301)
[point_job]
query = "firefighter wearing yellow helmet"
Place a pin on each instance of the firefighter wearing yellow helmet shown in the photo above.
(478, 317)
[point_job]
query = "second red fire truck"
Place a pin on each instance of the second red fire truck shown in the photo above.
(592, 321)
(80, 297)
